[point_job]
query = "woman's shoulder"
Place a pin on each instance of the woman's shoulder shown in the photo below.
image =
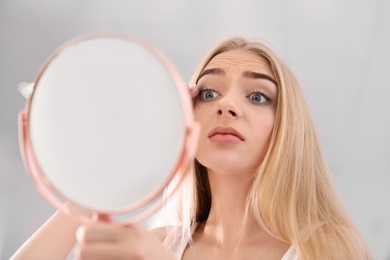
(160, 232)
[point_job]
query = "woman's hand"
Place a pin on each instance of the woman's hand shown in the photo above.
(106, 241)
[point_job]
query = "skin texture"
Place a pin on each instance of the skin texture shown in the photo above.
(53, 240)
(239, 102)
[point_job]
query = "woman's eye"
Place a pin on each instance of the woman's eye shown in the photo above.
(259, 97)
(208, 94)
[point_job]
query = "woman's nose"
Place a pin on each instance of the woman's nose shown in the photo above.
(228, 106)
(228, 112)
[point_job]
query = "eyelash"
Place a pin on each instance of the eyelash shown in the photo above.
(202, 90)
(265, 95)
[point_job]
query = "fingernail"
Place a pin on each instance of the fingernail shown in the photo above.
(80, 233)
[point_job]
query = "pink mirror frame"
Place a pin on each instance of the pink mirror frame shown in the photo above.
(155, 199)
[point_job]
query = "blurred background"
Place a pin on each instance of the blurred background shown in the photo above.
(339, 50)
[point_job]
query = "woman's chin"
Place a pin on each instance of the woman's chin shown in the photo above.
(224, 166)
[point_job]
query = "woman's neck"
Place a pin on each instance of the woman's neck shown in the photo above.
(227, 222)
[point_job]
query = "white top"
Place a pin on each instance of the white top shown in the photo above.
(177, 248)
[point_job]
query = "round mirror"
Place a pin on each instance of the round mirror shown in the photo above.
(107, 127)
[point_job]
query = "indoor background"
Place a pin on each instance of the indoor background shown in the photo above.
(339, 50)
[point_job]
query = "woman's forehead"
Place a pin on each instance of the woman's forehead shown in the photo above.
(240, 59)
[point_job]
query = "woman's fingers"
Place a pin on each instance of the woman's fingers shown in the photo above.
(96, 233)
(194, 91)
(102, 232)
(107, 241)
(99, 236)
(97, 251)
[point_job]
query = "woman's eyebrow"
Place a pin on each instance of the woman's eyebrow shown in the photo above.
(246, 74)
(217, 71)
(256, 75)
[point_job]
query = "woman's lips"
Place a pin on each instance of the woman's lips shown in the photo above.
(225, 135)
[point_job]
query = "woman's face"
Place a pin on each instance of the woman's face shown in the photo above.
(235, 107)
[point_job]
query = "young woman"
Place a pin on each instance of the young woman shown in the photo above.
(259, 187)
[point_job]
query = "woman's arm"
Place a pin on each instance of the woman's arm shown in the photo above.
(53, 240)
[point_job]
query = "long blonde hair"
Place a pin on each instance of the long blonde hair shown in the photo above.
(292, 195)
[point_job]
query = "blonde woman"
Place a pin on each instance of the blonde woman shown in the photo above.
(259, 188)
(272, 200)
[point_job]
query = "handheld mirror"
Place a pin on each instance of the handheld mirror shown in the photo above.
(107, 127)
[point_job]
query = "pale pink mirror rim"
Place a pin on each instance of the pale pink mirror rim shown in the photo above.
(51, 193)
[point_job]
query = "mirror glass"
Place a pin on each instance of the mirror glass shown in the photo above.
(105, 127)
